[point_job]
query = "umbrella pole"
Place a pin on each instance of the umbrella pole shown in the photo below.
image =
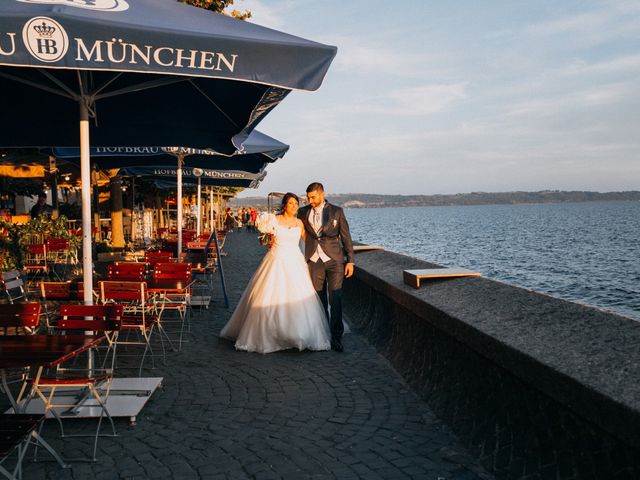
(179, 204)
(199, 207)
(211, 224)
(85, 173)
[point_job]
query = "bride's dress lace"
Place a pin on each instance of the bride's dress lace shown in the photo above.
(280, 309)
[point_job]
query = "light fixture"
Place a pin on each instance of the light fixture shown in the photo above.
(67, 178)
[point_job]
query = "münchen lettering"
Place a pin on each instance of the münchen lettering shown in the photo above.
(119, 51)
(222, 174)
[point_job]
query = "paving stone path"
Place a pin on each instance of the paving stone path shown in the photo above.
(291, 415)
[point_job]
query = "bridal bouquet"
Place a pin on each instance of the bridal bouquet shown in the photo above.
(265, 223)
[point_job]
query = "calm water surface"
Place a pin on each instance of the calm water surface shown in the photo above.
(583, 252)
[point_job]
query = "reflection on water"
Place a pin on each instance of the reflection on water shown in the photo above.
(584, 252)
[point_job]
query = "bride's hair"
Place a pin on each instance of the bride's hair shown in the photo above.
(286, 198)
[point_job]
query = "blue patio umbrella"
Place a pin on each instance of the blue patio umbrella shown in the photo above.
(148, 72)
(245, 168)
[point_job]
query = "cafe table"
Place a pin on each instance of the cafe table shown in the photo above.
(40, 352)
(127, 396)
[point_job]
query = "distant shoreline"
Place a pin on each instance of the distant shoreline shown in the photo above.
(369, 200)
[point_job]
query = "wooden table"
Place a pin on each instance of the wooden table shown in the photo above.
(42, 351)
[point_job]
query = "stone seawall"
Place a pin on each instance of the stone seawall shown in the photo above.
(535, 386)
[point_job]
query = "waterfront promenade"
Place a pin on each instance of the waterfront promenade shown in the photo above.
(228, 414)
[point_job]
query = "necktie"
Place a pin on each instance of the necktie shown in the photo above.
(316, 219)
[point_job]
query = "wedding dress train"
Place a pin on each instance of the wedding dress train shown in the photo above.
(280, 309)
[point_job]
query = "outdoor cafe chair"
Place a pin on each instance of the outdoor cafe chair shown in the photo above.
(17, 433)
(20, 318)
(139, 313)
(58, 252)
(13, 286)
(106, 319)
(188, 235)
(171, 299)
(127, 271)
(53, 294)
(153, 257)
(77, 386)
(36, 260)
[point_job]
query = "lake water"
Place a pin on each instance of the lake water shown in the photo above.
(584, 252)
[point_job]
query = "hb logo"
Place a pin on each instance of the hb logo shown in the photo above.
(45, 39)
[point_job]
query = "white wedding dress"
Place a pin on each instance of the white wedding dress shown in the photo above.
(280, 309)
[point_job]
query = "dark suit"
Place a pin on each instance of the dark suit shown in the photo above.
(327, 277)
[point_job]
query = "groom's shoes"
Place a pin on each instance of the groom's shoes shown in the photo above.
(336, 345)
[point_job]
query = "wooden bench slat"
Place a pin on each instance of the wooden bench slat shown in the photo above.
(413, 277)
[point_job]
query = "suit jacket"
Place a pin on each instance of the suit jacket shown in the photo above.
(333, 233)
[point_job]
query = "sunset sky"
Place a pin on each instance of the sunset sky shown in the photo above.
(433, 97)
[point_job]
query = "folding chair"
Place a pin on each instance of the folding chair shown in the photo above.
(36, 261)
(20, 318)
(106, 319)
(53, 293)
(127, 271)
(139, 313)
(75, 386)
(58, 252)
(17, 319)
(188, 235)
(157, 257)
(17, 432)
(13, 286)
(179, 302)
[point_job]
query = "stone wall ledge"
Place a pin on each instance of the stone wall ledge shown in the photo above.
(586, 359)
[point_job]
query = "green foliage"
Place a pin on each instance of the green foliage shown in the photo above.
(15, 237)
(219, 6)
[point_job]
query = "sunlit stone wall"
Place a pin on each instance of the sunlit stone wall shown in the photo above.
(536, 387)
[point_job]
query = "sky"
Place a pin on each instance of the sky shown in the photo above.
(439, 96)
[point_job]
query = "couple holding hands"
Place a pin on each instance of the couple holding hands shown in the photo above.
(295, 300)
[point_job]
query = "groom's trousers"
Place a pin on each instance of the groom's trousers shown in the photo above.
(327, 279)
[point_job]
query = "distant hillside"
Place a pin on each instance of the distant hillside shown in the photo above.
(369, 200)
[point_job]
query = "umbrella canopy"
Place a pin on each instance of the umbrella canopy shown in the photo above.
(255, 153)
(244, 169)
(149, 72)
(165, 177)
(117, 43)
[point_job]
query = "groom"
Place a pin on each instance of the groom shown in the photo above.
(327, 243)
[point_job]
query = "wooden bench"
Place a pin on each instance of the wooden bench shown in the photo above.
(413, 277)
(366, 248)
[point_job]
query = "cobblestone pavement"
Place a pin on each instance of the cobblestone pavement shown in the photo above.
(228, 414)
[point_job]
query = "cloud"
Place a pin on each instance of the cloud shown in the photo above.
(371, 54)
(629, 64)
(586, 29)
(426, 99)
(266, 15)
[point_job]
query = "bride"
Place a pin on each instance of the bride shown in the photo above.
(280, 309)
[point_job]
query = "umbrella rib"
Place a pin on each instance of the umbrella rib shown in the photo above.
(141, 86)
(35, 84)
(47, 74)
(213, 103)
(107, 83)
